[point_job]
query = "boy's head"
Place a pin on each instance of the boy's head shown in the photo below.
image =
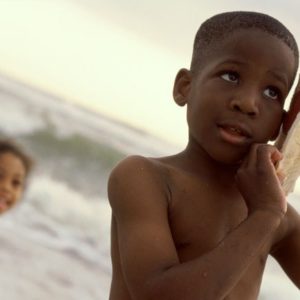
(15, 166)
(243, 68)
(219, 27)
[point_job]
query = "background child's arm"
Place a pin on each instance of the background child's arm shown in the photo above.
(149, 259)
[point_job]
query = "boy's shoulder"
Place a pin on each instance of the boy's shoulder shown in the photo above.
(156, 171)
(139, 174)
(136, 165)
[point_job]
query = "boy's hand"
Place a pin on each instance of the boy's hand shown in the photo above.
(258, 181)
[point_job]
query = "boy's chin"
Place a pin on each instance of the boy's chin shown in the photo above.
(230, 158)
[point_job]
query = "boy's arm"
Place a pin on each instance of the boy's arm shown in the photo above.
(287, 250)
(149, 260)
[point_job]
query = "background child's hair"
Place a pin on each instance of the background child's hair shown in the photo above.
(9, 146)
(218, 27)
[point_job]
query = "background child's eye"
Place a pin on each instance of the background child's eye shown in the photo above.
(17, 183)
(272, 93)
(230, 76)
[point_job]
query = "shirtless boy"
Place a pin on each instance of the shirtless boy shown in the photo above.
(200, 224)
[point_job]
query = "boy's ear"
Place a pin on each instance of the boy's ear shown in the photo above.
(182, 86)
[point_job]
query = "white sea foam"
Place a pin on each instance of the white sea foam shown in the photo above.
(59, 232)
(15, 117)
(34, 109)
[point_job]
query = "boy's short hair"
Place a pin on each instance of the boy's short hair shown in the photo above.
(218, 27)
(8, 146)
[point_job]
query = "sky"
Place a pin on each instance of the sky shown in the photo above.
(118, 57)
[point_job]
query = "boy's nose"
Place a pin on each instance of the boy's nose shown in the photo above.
(246, 104)
(5, 186)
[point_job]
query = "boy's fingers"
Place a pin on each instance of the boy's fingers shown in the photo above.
(267, 153)
(281, 176)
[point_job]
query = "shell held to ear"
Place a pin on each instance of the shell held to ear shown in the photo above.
(288, 142)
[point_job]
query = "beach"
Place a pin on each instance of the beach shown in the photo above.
(56, 243)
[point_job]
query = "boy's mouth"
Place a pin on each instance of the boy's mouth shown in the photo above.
(4, 203)
(234, 133)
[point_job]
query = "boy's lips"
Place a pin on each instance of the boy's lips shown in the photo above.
(4, 202)
(3, 205)
(235, 132)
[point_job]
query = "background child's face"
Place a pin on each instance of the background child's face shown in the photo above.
(237, 98)
(12, 179)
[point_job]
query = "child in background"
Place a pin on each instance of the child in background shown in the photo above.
(15, 166)
(199, 225)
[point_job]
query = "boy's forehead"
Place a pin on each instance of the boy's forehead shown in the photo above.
(13, 163)
(255, 44)
(237, 37)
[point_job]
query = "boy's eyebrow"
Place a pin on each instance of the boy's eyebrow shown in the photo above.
(280, 76)
(277, 74)
(19, 175)
(233, 61)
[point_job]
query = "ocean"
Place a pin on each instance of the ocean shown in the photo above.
(55, 244)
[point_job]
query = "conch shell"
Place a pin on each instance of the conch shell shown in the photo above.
(288, 142)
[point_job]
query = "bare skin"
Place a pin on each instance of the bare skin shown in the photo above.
(12, 179)
(200, 224)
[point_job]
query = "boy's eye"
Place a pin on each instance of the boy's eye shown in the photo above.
(230, 76)
(272, 92)
(17, 183)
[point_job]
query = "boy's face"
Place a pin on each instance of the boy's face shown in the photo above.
(12, 177)
(237, 97)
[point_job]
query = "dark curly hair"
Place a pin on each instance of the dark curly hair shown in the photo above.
(8, 146)
(221, 25)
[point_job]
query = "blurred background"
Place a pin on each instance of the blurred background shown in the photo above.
(83, 83)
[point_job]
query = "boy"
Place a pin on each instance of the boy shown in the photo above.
(200, 224)
(15, 166)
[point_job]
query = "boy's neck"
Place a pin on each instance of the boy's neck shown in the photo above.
(196, 160)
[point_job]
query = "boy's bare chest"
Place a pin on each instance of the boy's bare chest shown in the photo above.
(200, 218)
(201, 215)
